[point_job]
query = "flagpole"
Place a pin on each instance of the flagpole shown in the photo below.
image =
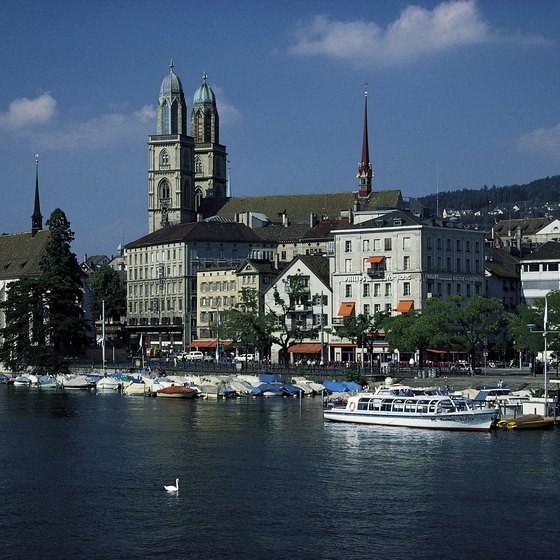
(545, 355)
(103, 333)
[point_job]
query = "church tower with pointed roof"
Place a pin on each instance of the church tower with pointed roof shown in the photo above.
(365, 171)
(210, 156)
(170, 159)
(36, 218)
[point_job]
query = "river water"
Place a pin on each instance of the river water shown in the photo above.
(82, 477)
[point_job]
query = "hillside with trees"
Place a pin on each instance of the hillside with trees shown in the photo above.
(536, 199)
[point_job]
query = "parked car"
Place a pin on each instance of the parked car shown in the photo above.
(245, 358)
(193, 356)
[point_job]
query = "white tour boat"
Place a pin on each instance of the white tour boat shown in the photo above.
(437, 412)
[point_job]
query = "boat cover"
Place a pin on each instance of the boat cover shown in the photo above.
(269, 378)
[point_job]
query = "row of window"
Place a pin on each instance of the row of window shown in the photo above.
(152, 257)
(218, 286)
(156, 305)
(226, 301)
(155, 288)
(540, 267)
(151, 272)
(406, 242)
(387, 291)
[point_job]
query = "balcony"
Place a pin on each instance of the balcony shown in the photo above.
(376, 273)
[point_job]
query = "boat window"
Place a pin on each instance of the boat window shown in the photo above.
(363, 404)
(386, 405)
(398, 405)
(410, 406)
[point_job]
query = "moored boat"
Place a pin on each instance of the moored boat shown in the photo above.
(527, 422)
(177, 391)
(436, 412)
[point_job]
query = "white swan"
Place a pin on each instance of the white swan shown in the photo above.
(172, 488)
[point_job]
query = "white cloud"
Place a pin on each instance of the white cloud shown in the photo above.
(228, 112)
(541, 141)
(415, 33)
(26, 112)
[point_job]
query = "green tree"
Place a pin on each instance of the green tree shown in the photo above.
(106, 286)
(472, 321)
(287, 328)
(246, 325)
(363, 330)
(24, 335)
(417, 330)
(61, 283)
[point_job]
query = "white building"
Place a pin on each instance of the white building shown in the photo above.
(393, 262)
(540, 272)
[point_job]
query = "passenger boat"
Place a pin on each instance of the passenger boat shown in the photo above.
(436, 412)
(177, 391)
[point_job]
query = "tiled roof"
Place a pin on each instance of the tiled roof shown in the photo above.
(323, 230)
(319, 265)
(390, 219)
(528, 226)
(198, 231)
(549, 251)
(21, 253)
(297, 207)
(279, 233)
(500, 263)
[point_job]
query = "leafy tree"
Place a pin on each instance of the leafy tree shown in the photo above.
(24, 335)
(473, 322)
(522, 324)
(287, 329)
(106, 286)
(417, 330)
(246, 325)
(363, 330)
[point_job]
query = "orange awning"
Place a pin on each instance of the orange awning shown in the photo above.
(346, 309)
(376, 260)
(405, 305)
(208, 343)
(305, 348)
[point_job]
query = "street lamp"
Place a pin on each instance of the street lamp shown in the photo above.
(544, 332)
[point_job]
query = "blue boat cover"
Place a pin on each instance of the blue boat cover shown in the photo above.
(269, 378)
(352, 386)
(335, 387)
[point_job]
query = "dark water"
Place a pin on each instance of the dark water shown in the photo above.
(82, 476)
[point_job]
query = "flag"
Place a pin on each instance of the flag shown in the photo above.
(141, 343)
(545, 313)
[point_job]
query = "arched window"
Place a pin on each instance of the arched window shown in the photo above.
(165, 118)
(198, 196)
(164, 190)
(197, 165)
(164, 159)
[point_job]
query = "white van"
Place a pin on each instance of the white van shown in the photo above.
(193, 356)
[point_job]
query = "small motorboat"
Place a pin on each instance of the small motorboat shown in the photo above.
(527, 422)
(177, 391)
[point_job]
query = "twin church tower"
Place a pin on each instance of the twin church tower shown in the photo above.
(184, 170)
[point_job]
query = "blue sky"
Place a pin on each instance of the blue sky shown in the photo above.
(461, 94)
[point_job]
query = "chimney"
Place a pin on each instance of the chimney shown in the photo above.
(312, 220)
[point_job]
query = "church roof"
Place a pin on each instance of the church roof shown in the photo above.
(171, 83)
(21, 253)
(198, 231)
(204, 93)
(297, 207)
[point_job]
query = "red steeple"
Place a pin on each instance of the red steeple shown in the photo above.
(365, 172)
